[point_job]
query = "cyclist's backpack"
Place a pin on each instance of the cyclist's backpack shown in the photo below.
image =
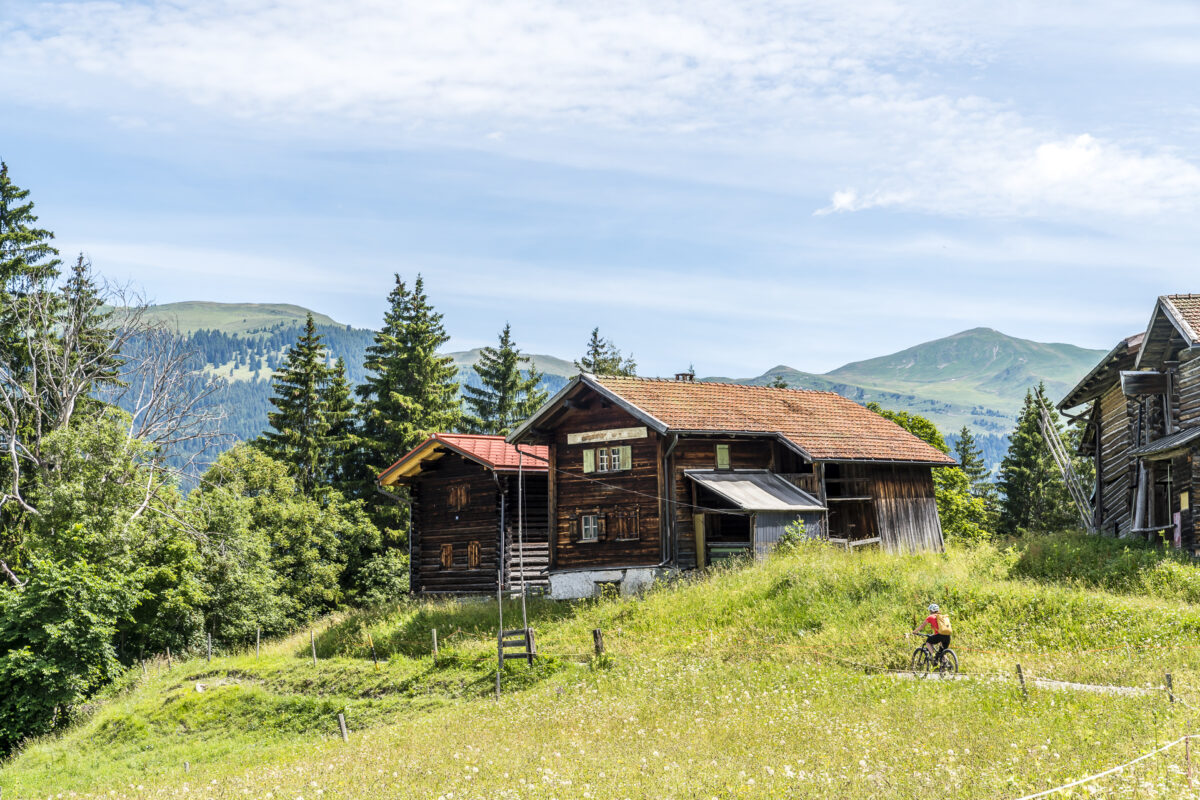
(943, 621)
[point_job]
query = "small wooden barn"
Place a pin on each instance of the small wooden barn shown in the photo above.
(1140, 407)
(467, 495)
(650, 476)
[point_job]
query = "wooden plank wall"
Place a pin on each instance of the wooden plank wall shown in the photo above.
(1117, 429)
(633, 491)
(905, 508)
(701, 453)
(850, 518)
(1187, 388)
(536, 534)
(436, 524)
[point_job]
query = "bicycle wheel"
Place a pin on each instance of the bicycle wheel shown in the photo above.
(947, 663)
(920, 662)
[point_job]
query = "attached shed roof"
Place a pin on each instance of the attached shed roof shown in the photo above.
(823, 426)
(490, 451)
(1167, 446)
(756, 490)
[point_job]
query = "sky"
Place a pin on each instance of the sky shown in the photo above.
(729, 185)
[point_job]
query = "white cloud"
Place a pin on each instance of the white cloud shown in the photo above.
(854, 101)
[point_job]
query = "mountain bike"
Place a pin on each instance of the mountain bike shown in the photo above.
(942, 664)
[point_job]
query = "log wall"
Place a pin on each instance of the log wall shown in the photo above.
(627, 501)
(905, 508)
(445, 539)
(1118, 418)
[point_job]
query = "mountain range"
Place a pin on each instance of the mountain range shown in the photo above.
(976, 378)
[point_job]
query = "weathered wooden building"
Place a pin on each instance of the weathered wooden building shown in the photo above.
(467, 498)
(1141, 410)
(649, 476)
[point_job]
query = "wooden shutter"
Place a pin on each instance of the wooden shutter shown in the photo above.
(589, 460)
(601, 528)
(626, 457)
(722, 456)
(473, 555)
(447, 556)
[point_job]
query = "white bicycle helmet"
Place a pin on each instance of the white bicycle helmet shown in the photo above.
(934, 608)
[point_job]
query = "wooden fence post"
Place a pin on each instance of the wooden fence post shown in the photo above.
(312, 638)
(1170, 688)
(342, 726)
(208, 656)
(168, 658)
(144, 673)
(598, 641)
(257, 639)
(435, 647)
(1021, 678)
(375, 658)
(187, 767)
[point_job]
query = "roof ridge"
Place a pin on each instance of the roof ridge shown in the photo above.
(673, 382)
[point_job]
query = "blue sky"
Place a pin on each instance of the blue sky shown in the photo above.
(732, 185)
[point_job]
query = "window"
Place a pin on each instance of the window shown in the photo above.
(473, 555)
(624, 524)
(589, 528)
(447, 556)
(722, 456)
(460, 496)
(608, 459)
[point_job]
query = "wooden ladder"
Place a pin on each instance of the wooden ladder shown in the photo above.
(1058, 451)
(515, 643)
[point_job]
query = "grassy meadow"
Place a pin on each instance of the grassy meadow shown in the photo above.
(754, 681)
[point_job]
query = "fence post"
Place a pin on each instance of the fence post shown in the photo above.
(168, 658)
(375, 658)
(598, 641)
(208, 656)
(312, 639)
(257, 639)
(435, 647)
(1021, 678)
(1170, 688)
(144, 674)
(342, 726)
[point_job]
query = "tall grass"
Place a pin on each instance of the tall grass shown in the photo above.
(717, 685)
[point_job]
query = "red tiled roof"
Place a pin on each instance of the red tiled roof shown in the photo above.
(1187, 308)
(827, 426)
(491, 451)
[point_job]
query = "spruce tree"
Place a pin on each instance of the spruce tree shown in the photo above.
(410, 392)
(506, 397)
(1034, 495)
(603, 358)
(341, 441)
(300, 425)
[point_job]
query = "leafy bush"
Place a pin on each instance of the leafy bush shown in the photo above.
(383, 579)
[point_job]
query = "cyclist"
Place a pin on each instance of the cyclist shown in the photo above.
(939, 623)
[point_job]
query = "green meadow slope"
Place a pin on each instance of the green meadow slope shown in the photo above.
(231, 318)
(745, 682)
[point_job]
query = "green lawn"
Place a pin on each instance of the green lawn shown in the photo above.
(714, 687)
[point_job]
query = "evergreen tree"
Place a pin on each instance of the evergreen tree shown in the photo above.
(410, 392)
(506, 398)
(1034, 496)
(342, 437)
(603, 358)
(300, 423)
(970, 456)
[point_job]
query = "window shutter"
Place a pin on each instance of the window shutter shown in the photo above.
(602, 527)
(722, 456)
(589, 460)
(573, 528)
(627, 457)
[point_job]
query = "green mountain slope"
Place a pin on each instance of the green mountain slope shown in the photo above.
(239, 318)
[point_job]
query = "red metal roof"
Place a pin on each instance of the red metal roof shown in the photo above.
(490, 451)
(827, 426)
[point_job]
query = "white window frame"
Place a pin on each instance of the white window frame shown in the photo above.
(614, 460)
(589, 522)
(602, 460)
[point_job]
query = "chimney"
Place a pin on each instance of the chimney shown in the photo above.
(686, 377)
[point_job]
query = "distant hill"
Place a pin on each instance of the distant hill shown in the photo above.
(976, 378)
(239, 318)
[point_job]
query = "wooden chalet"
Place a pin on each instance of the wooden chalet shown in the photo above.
(464, 498)
(650, 476)
(1141, 410)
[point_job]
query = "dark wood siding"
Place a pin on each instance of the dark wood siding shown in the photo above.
(536, 530)
(616, 496)
(701, 453)
(438, 524)
(1117, 465)
(905, 508)
(1187, 391)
